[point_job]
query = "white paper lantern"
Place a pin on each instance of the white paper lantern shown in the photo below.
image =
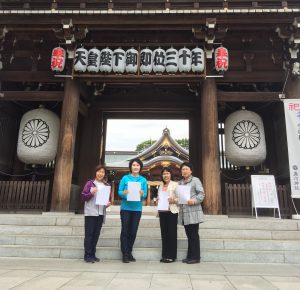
(106, 58)
(245, 143)
(198, 60)
(131, 61)
(158, 60)
(184, 60)
(171, 60)
(38, 137)
(93, 60)
(146, 61)
(81, 60)
(119, 61)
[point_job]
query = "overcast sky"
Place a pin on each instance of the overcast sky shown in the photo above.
(123, 135)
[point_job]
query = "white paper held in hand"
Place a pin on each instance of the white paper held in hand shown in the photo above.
(183, 192)
(102, 197)
(163, 203)
(134, 191)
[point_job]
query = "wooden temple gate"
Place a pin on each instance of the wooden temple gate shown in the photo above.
(262, 38)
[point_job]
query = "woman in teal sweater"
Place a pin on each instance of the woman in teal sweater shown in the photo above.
(131, 211)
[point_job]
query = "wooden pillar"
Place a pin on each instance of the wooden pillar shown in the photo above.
(148, 194)
(64, 160)
(210, 152)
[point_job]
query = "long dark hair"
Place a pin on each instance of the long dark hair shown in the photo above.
(167, 169)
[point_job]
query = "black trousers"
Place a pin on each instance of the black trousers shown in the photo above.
(168, 229)
(130, 222)
(192, 233)
(92, 228)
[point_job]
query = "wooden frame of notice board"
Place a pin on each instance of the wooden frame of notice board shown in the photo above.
(264, 193)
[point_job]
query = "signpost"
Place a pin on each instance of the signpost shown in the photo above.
(264, 193)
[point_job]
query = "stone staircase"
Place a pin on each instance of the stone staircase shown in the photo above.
(223, 239)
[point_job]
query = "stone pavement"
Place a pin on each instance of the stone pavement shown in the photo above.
(44, 274)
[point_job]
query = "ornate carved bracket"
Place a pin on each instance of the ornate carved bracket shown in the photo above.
(209, 33)
(3, 32)
(70, 34)
(290, 35)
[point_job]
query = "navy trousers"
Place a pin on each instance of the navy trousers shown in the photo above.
(130, 222)
(92, 228)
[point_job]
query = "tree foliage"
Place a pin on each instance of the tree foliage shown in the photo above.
(144, 145)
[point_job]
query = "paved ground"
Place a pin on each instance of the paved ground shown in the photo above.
(44, 274)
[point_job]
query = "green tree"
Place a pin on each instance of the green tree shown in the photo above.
(144, 145)
(183, 142)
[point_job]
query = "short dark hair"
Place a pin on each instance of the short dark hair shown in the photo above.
(188, 164)
(100, 166)
(167, 169)
(137, 160)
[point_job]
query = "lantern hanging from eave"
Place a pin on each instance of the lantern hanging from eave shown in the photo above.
(119, 61)
(93, 60)
(245, 143)
(58, 59)
(158, 60)
(38, 137)
(146, 61)
(131, 61)
(106, 58)
(171, 60)
(184, 60)
(81, 59)
(221, 59)
(198, 60)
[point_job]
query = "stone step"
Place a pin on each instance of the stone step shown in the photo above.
(151, 254)
(217, 244)
(108, 231)
(211, 222)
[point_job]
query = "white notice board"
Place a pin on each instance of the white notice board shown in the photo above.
(264, 192)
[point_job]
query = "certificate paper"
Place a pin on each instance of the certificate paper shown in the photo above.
(102, 197)
(163, 203)
(134, 191)
(183, 192)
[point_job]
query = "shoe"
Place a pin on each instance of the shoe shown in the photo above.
(162, 260)
(168, 260)
(193, 261)
(96, 259)
(89, 260)
(185, 260)
(131, 258)
(125, 259)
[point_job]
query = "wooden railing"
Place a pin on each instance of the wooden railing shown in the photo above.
(25, 195)
(238, 199)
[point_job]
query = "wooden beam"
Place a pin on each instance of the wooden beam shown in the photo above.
(230, 76)
(248, 96)
(256, 76)
(30, 76)
(144, 106)
(31, 96)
